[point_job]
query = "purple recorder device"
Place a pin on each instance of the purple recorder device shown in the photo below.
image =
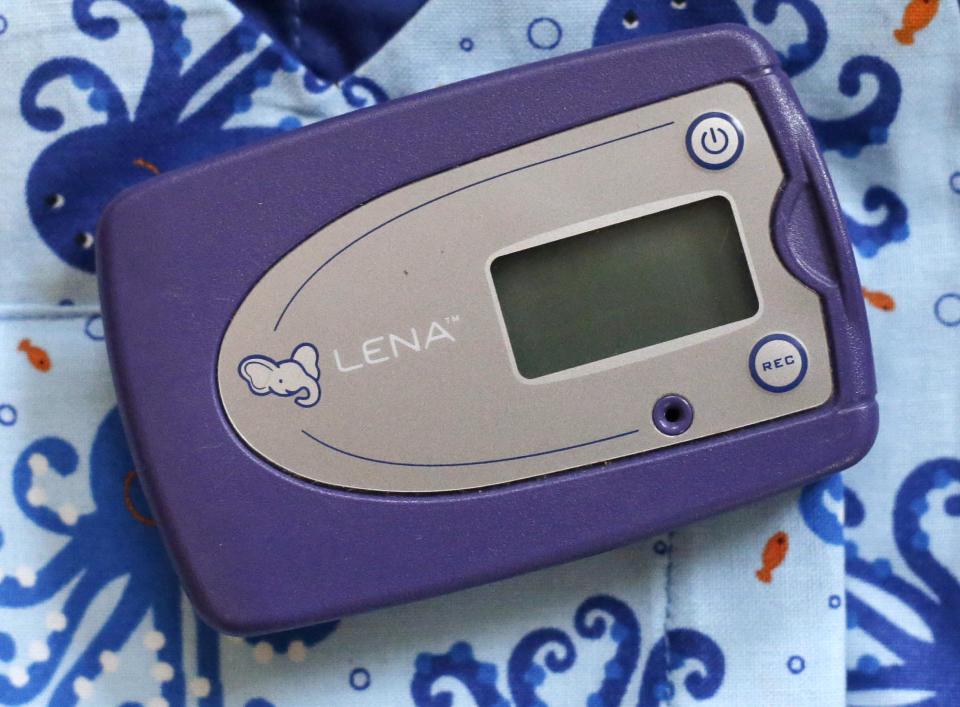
(484, 329)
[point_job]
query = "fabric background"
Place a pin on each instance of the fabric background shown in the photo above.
(98, 95)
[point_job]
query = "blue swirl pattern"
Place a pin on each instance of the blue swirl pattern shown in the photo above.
(114, 541)
(871, 124)
(72, 180)
(458, 663)
(672, 652)
(626, 19)
(926, 667)
(868, 239)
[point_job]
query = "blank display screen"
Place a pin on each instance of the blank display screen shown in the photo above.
(624, 287)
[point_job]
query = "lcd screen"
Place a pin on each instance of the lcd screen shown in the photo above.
(624, 287)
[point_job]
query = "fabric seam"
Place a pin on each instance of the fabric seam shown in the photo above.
(668, 611)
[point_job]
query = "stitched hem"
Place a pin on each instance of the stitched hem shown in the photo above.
(668, 610)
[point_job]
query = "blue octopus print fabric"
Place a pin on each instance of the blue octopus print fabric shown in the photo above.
(844, 592)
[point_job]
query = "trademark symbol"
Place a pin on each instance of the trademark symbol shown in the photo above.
(453, 319)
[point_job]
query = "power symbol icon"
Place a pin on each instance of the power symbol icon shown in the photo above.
(715, 141)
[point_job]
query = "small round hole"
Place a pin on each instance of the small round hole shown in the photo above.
(630, 19)
(672, 415)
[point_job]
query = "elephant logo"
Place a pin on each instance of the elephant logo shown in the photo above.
(297, 376)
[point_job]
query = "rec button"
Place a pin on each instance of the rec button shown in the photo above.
(778, 363)
(714, 140)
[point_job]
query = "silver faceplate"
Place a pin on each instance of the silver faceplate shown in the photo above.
(455, 414)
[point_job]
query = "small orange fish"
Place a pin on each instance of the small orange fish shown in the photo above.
(879, 299)
(917, 15)
(38, 357)
(774, 553)
(149, 166)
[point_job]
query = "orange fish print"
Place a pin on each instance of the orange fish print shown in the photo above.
(880, 300)
(917, 15)
(38, 357)
(149, 166)
(774, 553)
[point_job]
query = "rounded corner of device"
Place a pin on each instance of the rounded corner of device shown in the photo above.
(736, 29)
(105, 224)
(764, 53)
(863, 426)
(119, 211)
(216, 617)
(218, 611)
(855, 427)
(127, 200)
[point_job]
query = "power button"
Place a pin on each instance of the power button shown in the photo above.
(715, 140)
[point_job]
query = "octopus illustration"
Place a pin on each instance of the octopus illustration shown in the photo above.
(117, 540)
(925, 666)
(624, 19)
(680, 650)
(74, 177)
(849, 135)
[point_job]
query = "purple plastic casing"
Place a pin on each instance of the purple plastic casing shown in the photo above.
(260, 550)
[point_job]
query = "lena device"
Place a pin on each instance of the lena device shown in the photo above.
(476, 331)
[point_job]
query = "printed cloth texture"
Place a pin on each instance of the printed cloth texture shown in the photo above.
(842, 592)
